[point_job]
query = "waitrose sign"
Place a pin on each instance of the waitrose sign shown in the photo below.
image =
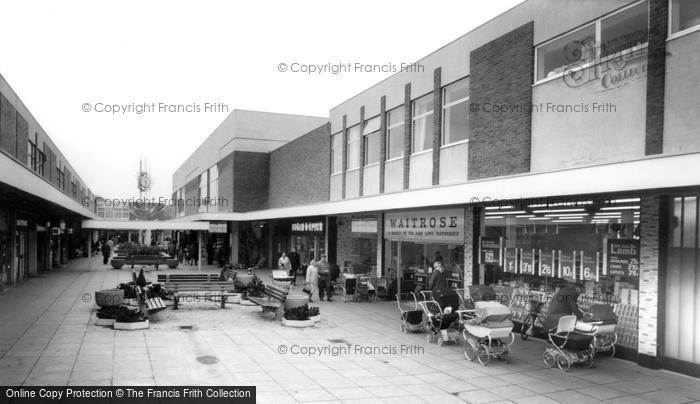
(441, 226)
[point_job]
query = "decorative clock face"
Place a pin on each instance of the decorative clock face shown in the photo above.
(144, 182)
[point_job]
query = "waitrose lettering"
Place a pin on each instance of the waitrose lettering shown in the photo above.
(444, 226)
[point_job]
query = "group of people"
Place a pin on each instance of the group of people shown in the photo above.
(187, 253)
(318, 275)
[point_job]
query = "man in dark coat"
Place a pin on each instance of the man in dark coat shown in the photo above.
(296, 263)
(210, 253)
(325, 286)
(106, 251)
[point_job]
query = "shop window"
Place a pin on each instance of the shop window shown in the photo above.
(455, 104)
(395, 133)
(353, 147)
(685, 15)
(422, 124)
(371, 141)
(611, 35)
(546, 246)
(337, 153)
(31, 154)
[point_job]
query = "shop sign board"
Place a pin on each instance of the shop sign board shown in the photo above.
(218, 227)
(363, 226)
(546, 263)
(444, 226)
(22, 223)
(510, 260)
(589, 265)
(490, 250)
(527, 261)
(621, 257)
(316, 226)
(567, 265)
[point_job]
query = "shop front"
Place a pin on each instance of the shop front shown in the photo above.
(357, 242)
(306, 236)
(526, 252)
(415, 240)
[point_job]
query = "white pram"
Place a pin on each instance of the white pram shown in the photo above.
(489, 334)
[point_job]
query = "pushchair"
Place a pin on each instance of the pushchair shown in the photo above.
(600, 320)
(442, 318)
(358, 289)
(569, 345)
(489, 334)
(411, 315)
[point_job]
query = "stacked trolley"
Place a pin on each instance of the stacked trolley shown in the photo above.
(489, 334)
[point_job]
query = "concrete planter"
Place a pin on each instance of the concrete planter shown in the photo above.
(294, 301)
(138, 325)
(109, 297)
(105, 322)
(315, 319)
(117, 263)
(172, 263)
(297, 323)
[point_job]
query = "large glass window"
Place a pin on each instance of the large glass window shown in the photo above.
(337, 153)
(455, 104)
(395, 133)
(213, 185)
(371, 141)
(685, 14)
(31, 154)
(624, 30)
(607, 36)
(422, 133)
(353, 147)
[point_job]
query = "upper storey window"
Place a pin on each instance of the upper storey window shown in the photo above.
(685, 16)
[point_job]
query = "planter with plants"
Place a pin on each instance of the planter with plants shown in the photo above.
(129, 319)
(172, 263)
(109, 297)
(117, 263)
(300, 317)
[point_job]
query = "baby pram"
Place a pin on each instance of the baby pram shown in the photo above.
(358, 288)
(569, 345)
(442, 318)
(489, 334)
(600, 320)
(411, 314)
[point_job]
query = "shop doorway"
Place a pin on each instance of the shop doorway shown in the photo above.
(21, 262)
(681, 347)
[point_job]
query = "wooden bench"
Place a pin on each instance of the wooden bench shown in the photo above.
(193, 284)
(273, 300)
(145, 260)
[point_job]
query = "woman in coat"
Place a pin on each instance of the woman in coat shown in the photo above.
(311, 281)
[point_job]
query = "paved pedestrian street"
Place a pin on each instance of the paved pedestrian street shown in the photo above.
(357, 353)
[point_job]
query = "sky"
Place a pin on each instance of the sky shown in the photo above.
(70, 61)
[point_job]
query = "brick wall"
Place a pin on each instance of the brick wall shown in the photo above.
(348, 244)
(300, 170)
(225, 167)
(8, 126)
(251, 177)
(649, 275)
(656, 75)
(437, 123)
(382, 142)
(191, 190)
(22, 138)
(468, 246)
(407, 136)
(501, 73)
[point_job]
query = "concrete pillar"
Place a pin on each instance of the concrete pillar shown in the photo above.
(199, 252)
(380, 244)
(233, 243)
(650, 251)
(31, 253)
(468, 247)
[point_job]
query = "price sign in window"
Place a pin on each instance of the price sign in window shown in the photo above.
(546, 263)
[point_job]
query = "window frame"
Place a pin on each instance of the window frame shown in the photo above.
(348, 142)
(673, 35)
(365, 137)
(597, 23)
(415, 117)
(445, 107)
(394, 126)
(333, 150)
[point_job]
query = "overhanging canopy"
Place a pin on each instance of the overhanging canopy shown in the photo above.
(145, 225)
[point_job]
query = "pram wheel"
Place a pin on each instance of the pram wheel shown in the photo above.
(548, 358)
(469, 349)
(483, 354)
(563, 363)
(504, 357)
(612, 351)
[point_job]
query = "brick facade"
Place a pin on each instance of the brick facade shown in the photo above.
(362, 149)
(407, 136)
(348, 245)
(649, 275)
(251, 180)
(382, 142)
(300, 170)
(656, 76)
(8, 126)
(225, 167)
(501, 73)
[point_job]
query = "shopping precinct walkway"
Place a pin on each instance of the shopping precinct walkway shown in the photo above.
(48, 337)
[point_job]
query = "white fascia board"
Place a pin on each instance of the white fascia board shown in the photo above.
(144, 225)
(16, 175)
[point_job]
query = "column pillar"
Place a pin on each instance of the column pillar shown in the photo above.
(648, 323)
(233, 243)
(199, 250)
(437, 123)
(380, 244)
(468, 247)
(407, 136)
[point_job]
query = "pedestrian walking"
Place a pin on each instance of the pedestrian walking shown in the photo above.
(296, 263)
(284, 263)
(106, 251)
(325, 286)
(311, 281)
